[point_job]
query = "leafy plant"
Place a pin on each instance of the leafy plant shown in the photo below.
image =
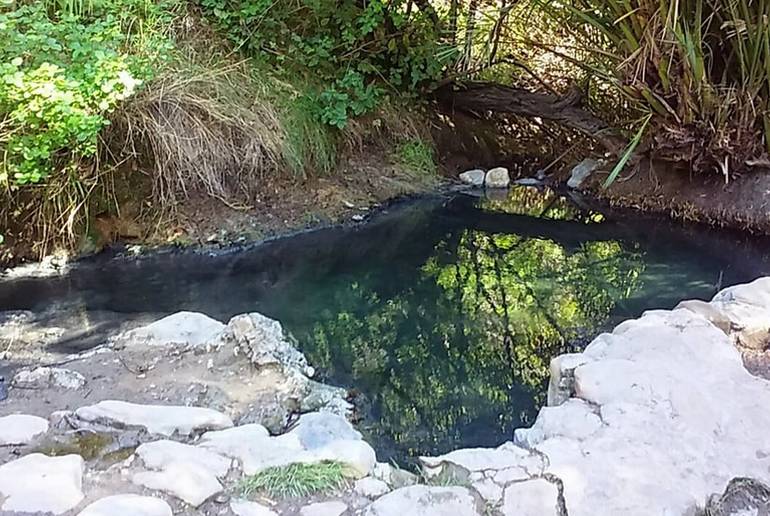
(297, 480)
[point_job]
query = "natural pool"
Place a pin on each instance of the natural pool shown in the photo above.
(442, 313)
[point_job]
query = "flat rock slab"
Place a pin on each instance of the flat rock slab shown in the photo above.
(189, 482)
(159, 455)
(247, 508)
(324, 509)
(426, 501)
(651, 419)
(180, 329)
(128, 505)
(37, 483)
(317, 437)
(537, 497)
(21, 428)
(370, 487)
(157, 419)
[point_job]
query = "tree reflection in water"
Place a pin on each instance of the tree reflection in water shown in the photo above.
(458, 354)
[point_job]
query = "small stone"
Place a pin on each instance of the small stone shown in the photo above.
(528, 181)
(371, 487)
(49, 378)
(21, 429)
(324, 509)
(581, 172)
(127, 505)
(36, 483)
(246, 508)
(426, 501)
(185, 480)
(473, 177)
(357, 218)
(536, 497)
(497, 178)
(157, 419)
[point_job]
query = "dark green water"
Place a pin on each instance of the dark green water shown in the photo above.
(442, 314)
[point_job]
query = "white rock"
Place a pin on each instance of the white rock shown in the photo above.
(127, 505)
(185, 480)
(159, 454)
(157, 419)
(48, 378)
(37, 483)
(371, 487)
(21, 428)
(181, 329)
(324, 509)
(317, 437)
(746, 307)
(574, 419)
(536, 497)
(489, 490)
(497, 178)
(426, 501)
(263, 341)
(473, 177)
(246, 508)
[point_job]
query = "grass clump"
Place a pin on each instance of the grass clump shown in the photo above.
(416, 156)
(297, 480)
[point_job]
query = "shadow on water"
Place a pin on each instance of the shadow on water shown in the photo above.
(442, 313)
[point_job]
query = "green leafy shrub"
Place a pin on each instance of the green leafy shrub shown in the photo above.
(416, 156)
(61, 75)
(354, 53)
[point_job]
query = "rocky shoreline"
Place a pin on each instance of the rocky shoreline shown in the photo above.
(170, 418)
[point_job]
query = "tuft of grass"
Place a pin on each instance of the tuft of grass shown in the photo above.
(416, 156)
(297, 480)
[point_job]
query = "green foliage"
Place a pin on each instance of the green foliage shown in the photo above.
(297, 480)
(352, 52)
(61, 76)
(416, 156)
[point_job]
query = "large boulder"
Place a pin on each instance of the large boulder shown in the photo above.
(497, 178)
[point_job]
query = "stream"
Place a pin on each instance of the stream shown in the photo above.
(441, 313)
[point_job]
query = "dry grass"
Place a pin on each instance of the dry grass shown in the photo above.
(202, 128)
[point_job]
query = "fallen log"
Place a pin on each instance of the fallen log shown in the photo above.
(479, 98)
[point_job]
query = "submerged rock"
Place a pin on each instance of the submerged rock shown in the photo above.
(21, 429)
(127, 504)
(473, 177)
(426, 501)
(157, 419)
(39, 484)
(48, 378)
(497, 178)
